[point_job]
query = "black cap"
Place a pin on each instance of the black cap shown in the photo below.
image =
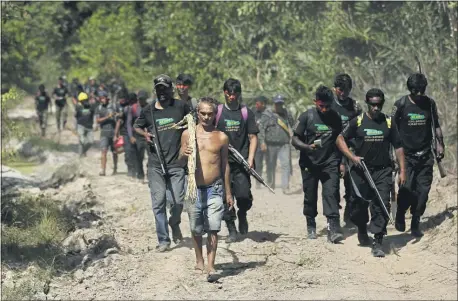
(163, 80)
(142, 95)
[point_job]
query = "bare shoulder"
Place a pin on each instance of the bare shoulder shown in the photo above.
(223, 137)
(185, 133)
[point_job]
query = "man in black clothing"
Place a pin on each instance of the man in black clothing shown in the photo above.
(84, 114)
(415, 115)
(315, 136)
(163, 114)
(121, 130)
(42, 102)
(184, 83)
(239, 124)
(373, 134)
(348, 109)
(60, 95)
(260, 108)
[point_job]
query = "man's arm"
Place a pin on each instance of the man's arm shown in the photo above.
(253, 146)
(396, 113)
(298, 135)
(395, 141)
(348, 133)
(225, 170)
(262, 131)
(141, 123)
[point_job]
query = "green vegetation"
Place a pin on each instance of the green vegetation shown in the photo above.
(32, 231)
(290, 47)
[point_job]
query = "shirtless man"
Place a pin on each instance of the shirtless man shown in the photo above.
(213, 182)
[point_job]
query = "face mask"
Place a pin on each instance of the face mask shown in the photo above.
(163, 95)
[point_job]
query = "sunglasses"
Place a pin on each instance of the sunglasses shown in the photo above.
(378, 105)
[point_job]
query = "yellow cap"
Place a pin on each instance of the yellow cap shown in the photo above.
(82, 96)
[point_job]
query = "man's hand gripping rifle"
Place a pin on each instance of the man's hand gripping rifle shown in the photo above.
(239, 159)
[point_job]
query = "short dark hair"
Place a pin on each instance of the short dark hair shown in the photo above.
(132, 98)
(324, 94)
(208, 100)
(417, 83)
(41, 88)
(262, 99)
(375, 92)
(186, 79)
(124, 93)
(232, 85)
(343, 81)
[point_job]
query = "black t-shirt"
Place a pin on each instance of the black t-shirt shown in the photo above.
(169, 137)
(123, 118)
(373, 139)
(107, 127)
(237, 129)
(42, 102)
(84, 114)
(414, 123)
(346, 111)
(61, 93)
(312, 126)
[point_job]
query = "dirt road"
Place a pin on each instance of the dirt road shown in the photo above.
(274, 261)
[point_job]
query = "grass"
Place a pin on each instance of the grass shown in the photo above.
(32, 231)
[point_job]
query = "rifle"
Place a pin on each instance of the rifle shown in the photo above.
(239, 159)
(374, 187)
(438, 159)
(155, 144)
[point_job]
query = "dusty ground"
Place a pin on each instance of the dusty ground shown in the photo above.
(274, 261)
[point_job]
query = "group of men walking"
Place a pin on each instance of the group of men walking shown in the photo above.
(335, 138)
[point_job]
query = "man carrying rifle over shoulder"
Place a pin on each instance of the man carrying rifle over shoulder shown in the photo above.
(373, 134)
(156, 123)
(418, 122)
(238, 123)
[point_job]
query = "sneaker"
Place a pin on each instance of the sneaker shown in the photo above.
(334, 236)
(311, 228)
(232, 237)
(377, 246)
(243, 222)
(162, 248)
(415, 227)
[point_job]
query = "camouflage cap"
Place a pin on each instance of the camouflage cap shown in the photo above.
(163, 80)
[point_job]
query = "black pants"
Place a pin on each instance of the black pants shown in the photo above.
(241, 191)
(419, 176)
(129, 156)
(259, 158)
(359, 214)
(139, 148)
(329, 178)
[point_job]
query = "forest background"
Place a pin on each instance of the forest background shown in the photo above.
(272, 47)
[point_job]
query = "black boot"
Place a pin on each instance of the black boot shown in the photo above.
(415, 227)
(400, 220)
(311, 228)
(243, 222)
(377, 246)
(363, 238)
(334, 234)
(232, 237)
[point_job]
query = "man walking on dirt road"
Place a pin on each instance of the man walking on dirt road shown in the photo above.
(60, 95)
(348, 109)
(84, 114)
(416, 118)
(212, 180)
(238, 123)
(42, 102)
(106, 116)
(261, 156)
(157, 122)
(373, 134)
(315, 136)
(275, 139)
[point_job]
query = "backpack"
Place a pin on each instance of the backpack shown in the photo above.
(220, 111)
